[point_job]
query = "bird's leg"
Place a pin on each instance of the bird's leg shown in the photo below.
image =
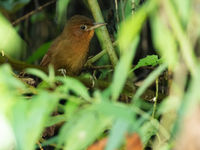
(93, 78)
(63, 71)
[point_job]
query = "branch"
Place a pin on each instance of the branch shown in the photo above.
(32, 12)
(18, 65)
(103, 35)
(95, 58)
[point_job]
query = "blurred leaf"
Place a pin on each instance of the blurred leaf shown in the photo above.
(76, 86)
(117, 134)
(10, 88)
(166, 44)
(56, 119)
(128, 8)
(39, 53)
(51, 141)
(150, 60)
(168, 104)
(147, 130)
(27, 127)
(129, 29)
(10, 41)
(51, 73)
(70, 108)
(47, 80)
(37, 73)
(61, 9)
(13, 5)
(128, 40)
(84, 127)
(8, 81)
(7, 139)
(131, 6)
(122, 70)
(184, 10)
(114, 110)
(39, 16)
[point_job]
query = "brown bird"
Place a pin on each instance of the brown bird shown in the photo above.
(69, 50)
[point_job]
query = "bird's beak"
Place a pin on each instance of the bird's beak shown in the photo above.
(96, 25)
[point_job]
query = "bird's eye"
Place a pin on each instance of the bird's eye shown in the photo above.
(83, 27)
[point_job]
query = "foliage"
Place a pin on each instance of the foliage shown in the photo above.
(150, 60)
(11, 42)
(38, 53)
(13, 5)
(87, 116)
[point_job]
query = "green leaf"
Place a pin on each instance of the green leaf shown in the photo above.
(13, 5)
(56, 119)
(117, 134)
(131, 6)
(164, 40)
(39, 53)
(114, 110)
(148, 129)
(37, 73)
(130, 28)
(61, 9)
(10, 42)
(10, 88)
(75, 85)
(150, 60)
(122, 71)
(7, 139)
(71, 108)
(184, 10)
(29, 118)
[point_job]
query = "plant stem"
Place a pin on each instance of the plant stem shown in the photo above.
(102, 32)
(95, 58)
(149, 80)
(156, 98)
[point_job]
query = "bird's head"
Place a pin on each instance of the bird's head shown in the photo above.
(81, 27)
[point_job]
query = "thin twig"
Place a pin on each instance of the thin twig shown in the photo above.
(156, 99)
(117, 13)
(99, 67)
(32, 12)
(95, 58)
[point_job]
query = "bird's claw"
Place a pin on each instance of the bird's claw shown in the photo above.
(63, 71)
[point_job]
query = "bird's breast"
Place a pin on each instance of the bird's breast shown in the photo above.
(71, 56)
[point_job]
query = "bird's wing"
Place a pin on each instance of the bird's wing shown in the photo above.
(46, 60)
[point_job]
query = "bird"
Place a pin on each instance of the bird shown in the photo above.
(69, 50)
